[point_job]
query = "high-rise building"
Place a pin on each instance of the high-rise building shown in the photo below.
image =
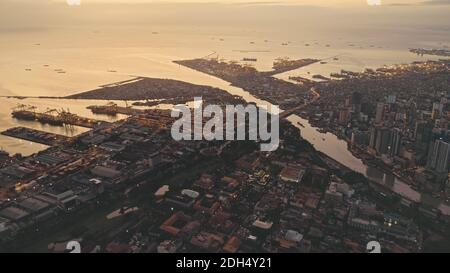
(360, 137)
(373, 137)
(356, 102)
(437, 110)
(396, 138)
(439, 157)
(423, 132)
(383, 142)
(343, 116)
(412, 114)
(380, 113)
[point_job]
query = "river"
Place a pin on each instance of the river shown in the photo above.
(336, 148)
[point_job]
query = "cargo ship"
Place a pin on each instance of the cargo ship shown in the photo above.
(110, 110)
(24, 115)
(41, 117)
(53, 117)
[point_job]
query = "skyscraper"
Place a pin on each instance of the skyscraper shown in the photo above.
(437, 110)
(343, 116)
(412, 114)
(380, 113)
(439, 157)
(356, 101)
(373, 137)
(383, 142)
(423, 133)
(396, 138)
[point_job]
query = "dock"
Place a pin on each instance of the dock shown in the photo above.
(113, 109)
(55, 117)
(37, 136)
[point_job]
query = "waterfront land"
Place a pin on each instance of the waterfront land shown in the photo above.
(36, 136)
(259, 84)
(390, 117)
(435, 52)
(225, 196)
(154, 91)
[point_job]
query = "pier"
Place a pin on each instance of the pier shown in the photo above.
(37, 136)
(53, 117)
(113, 109)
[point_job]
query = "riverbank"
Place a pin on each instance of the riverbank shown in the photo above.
(337, 149)
(262, 85)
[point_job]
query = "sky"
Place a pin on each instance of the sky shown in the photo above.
(306, 2)
(33, 15)
(335, 3)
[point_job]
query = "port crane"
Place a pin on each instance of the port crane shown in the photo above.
(66, 117)
(50, 111)
(32, 108)
(20, 107)
(24, 107)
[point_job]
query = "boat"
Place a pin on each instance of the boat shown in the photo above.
(110, 109)
(51, 120)
(249, 59)
(23, 115)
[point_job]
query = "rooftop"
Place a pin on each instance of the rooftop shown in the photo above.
(292, 174)
(33, 205)
(13, 213)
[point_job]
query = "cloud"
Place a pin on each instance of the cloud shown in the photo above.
(437, 2)
(424, 3)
